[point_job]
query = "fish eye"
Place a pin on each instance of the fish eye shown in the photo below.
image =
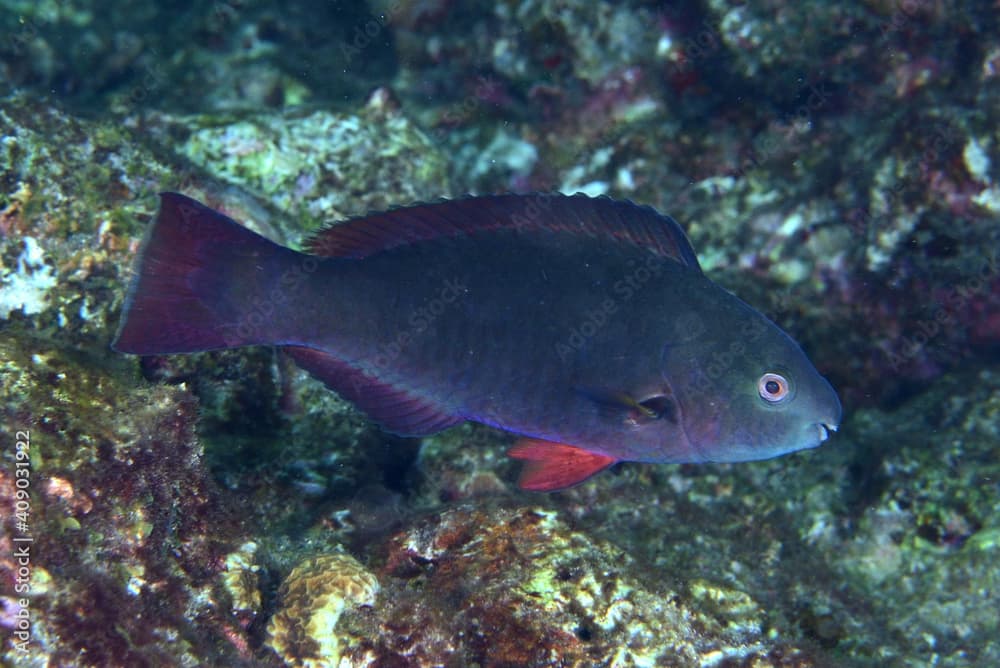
(772, 387)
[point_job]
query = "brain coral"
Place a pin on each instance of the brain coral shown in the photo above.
(316, 592)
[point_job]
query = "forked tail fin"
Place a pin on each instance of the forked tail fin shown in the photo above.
(195, 280)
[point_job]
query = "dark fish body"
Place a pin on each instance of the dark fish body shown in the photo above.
(584, 325)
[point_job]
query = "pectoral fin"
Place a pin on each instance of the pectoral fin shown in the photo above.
(621, 405)
(550, 466)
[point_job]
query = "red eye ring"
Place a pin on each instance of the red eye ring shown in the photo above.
(772, 387)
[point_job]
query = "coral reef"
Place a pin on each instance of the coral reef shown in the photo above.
(835, 165)
(499, 586)
(303, 631)
(127, 528)
(23, 288)
(241, 578)
(924, 533)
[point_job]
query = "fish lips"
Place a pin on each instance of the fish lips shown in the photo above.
(823, 430)
(831, 424)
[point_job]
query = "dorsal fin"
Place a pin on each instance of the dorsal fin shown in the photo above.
(601, 217)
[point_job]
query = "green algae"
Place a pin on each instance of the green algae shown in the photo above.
(320, 166)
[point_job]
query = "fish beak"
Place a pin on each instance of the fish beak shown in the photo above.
(824, 430)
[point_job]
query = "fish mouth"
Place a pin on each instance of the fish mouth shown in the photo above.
(824, 430)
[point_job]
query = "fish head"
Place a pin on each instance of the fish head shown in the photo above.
(744, 388)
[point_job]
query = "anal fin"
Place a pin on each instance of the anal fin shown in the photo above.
(550, 466)
(395, 409)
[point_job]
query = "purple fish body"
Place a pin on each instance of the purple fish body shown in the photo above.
(584, 325)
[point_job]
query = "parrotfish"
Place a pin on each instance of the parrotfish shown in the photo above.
(583, 325)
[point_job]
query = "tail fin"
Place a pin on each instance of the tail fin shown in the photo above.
(190, 289)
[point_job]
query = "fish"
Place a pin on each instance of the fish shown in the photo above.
(584, 326)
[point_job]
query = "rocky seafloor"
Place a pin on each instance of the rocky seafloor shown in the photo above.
(837, 166)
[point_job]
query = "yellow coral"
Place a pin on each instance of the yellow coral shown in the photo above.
(241, 580)
(313, 597)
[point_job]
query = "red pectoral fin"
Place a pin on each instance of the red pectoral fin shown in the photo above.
(550, 466)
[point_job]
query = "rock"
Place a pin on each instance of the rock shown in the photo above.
(495, 586)
(320, 166)
(127, 529)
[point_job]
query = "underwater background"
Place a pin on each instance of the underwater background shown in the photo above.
(837, 165)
